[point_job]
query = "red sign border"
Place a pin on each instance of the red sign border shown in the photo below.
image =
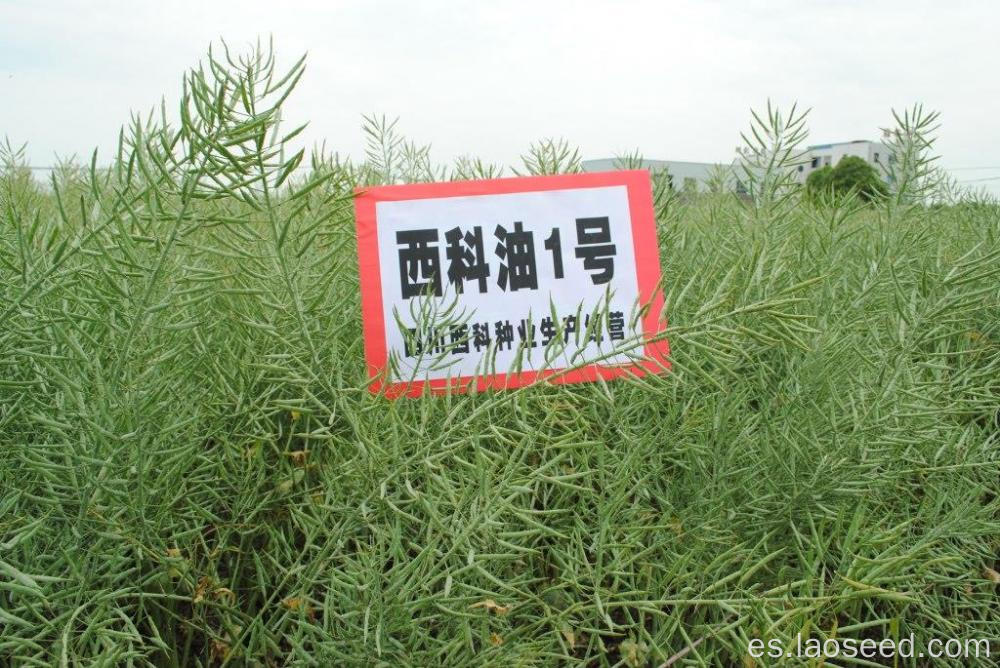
(647, 260)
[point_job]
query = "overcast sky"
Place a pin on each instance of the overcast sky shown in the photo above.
(674, 79)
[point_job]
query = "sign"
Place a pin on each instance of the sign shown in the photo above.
(499, 283)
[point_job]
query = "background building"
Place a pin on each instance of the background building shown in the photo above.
(816, 157)
(702, 176)
(690, 176)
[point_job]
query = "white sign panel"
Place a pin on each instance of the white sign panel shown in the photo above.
(499, 283)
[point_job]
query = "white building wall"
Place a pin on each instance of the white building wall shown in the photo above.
(696, 175)
(817, 157)
(692, 176)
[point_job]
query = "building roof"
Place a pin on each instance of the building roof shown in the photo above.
(654, 161)
(841, 143)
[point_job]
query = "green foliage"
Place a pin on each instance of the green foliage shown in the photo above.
(550, 156)
(851, 175)
(765, 171)
(820, 181)
(193, 472)
(912, 171)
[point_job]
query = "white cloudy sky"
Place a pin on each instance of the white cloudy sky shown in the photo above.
(674, 79)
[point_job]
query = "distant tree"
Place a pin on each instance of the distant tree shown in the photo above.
(855, 173)
(852, 174)
(820, 182)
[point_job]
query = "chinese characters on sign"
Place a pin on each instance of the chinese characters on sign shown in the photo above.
(420, 258)
(552, 276)
(459, 339)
